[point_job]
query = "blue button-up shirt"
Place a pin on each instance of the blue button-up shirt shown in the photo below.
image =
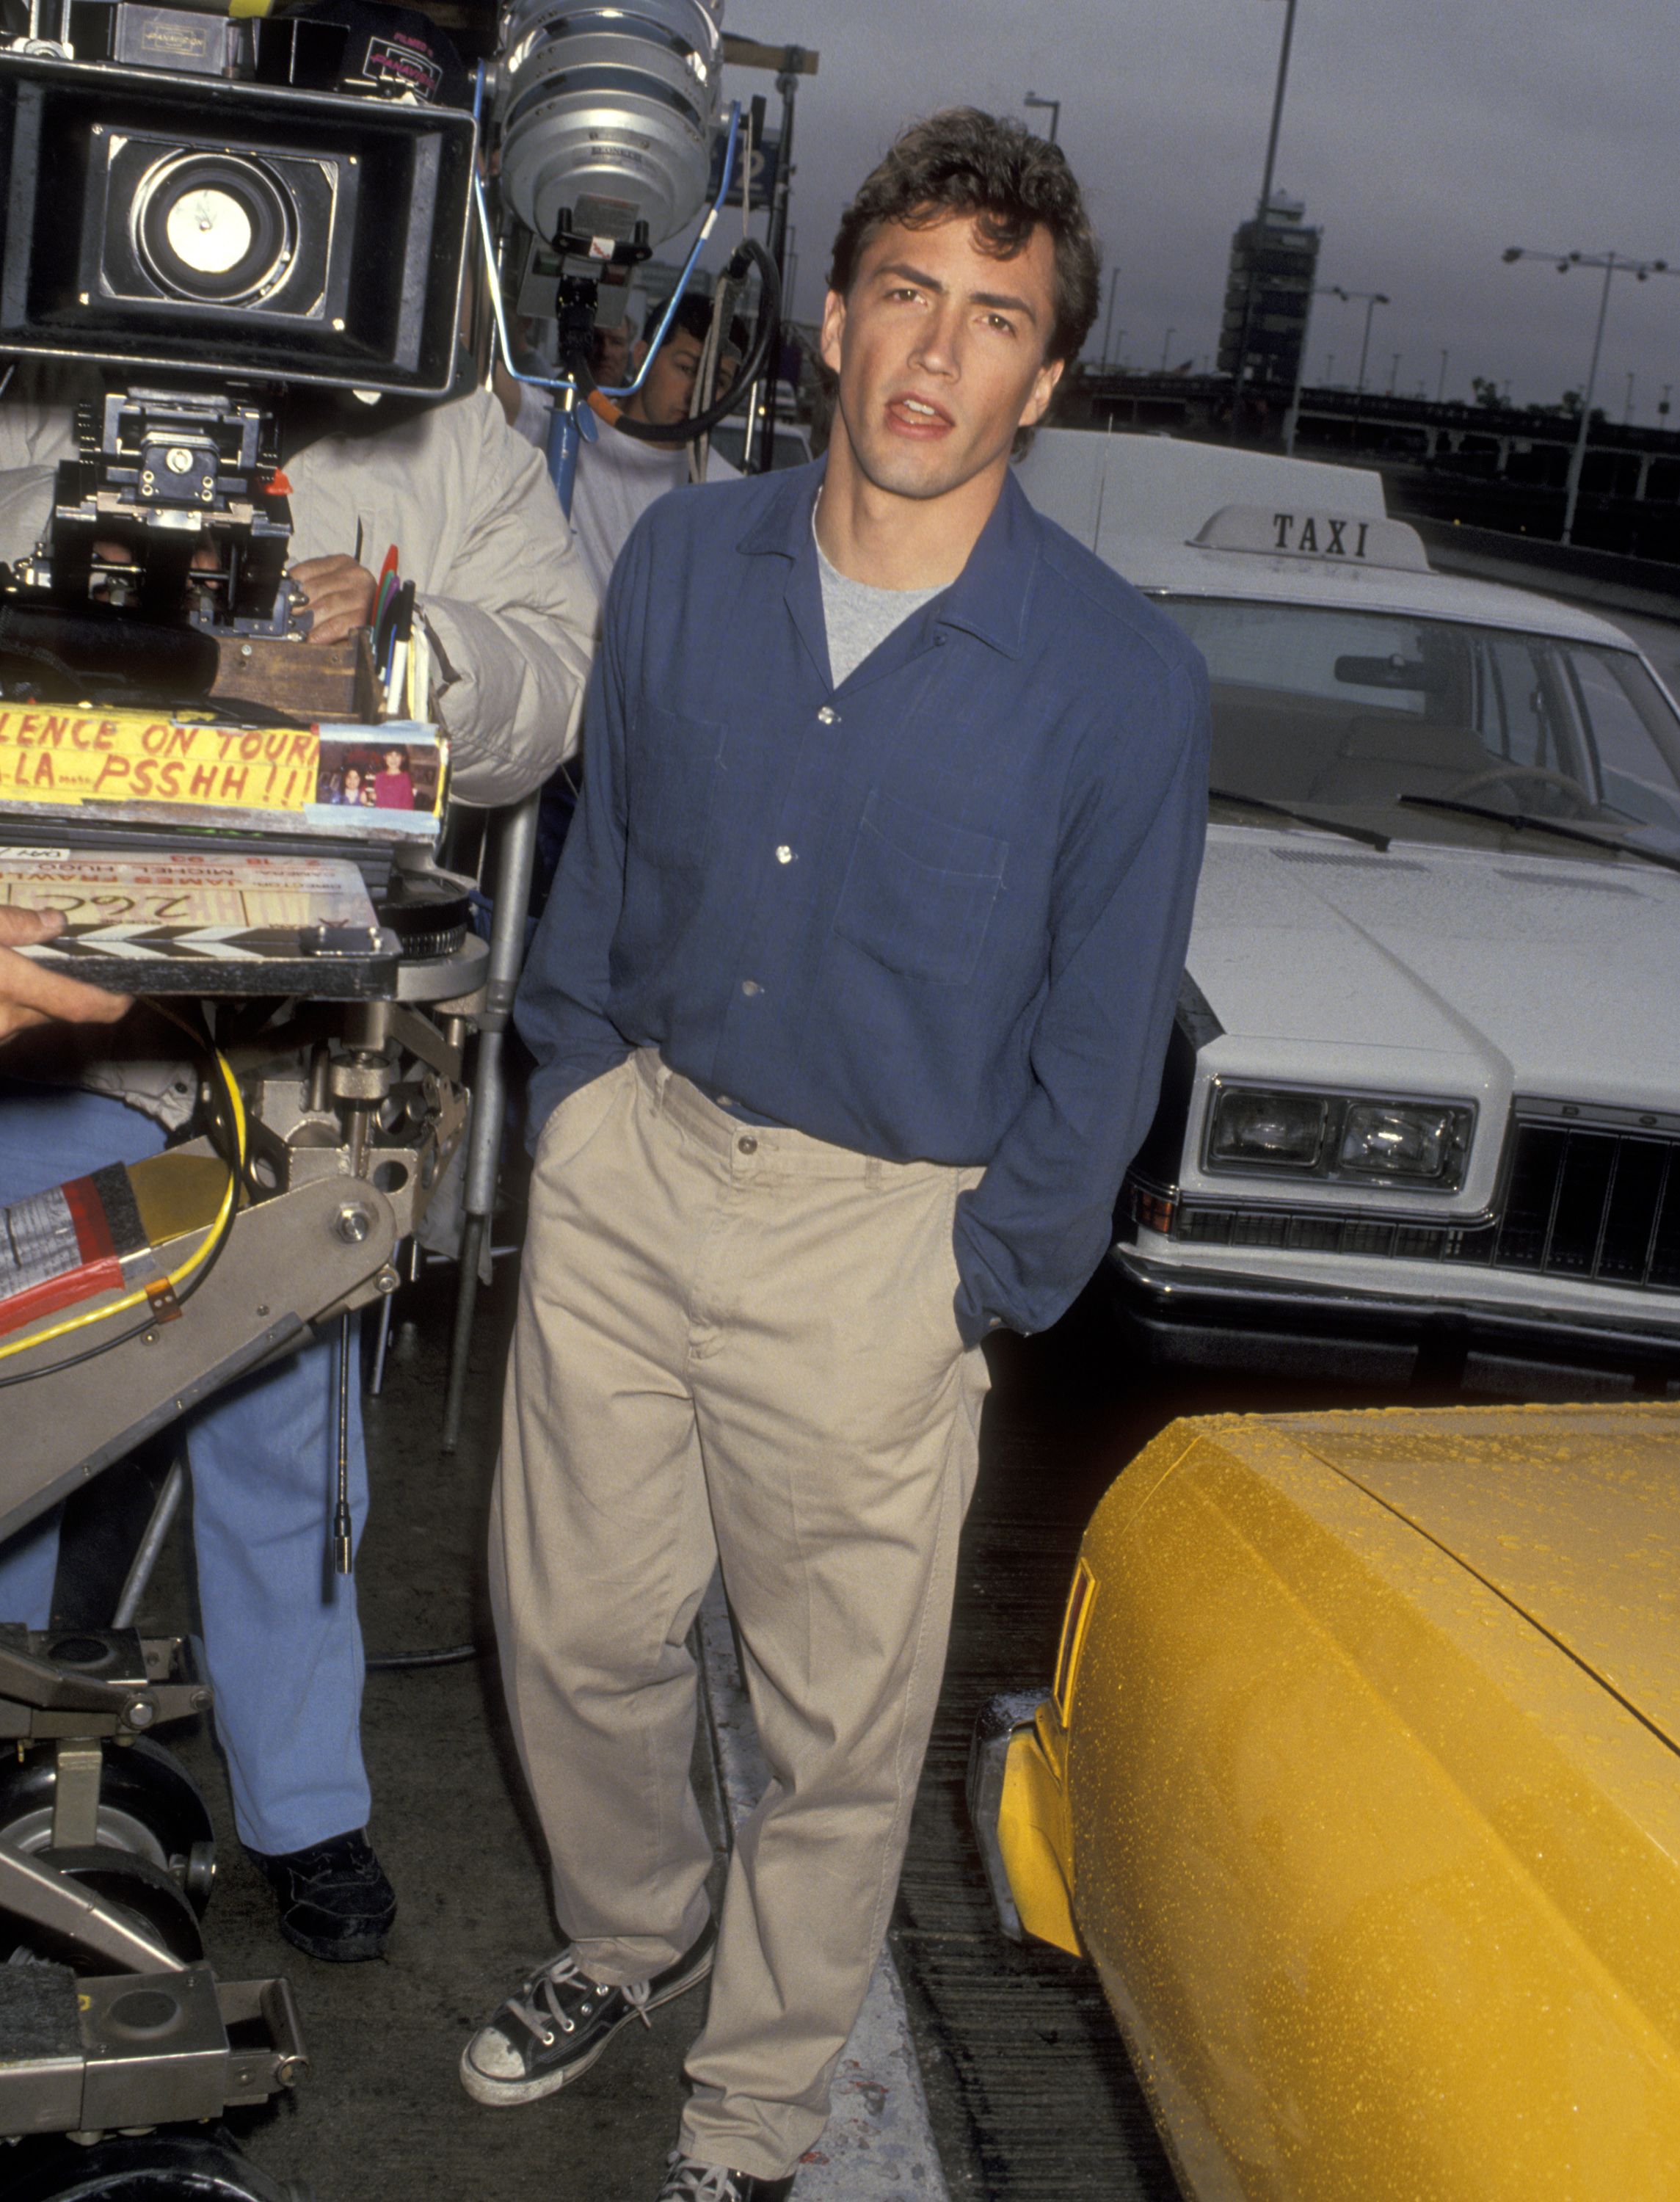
(938, 913)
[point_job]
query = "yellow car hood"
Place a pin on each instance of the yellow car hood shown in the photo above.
(1573, 1519)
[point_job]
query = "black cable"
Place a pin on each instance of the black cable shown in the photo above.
(701, 424)
(410, 1662)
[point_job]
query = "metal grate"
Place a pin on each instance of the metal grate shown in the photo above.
(1600, 1206)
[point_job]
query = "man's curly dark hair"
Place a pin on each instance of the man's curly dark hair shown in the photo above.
(965, 161)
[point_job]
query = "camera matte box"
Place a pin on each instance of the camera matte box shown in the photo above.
(352, 214)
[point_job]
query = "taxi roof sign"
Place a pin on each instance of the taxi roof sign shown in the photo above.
(1326, 538)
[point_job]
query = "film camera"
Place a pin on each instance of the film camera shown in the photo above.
(212, 209)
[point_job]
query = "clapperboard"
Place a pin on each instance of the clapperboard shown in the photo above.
(201, 924)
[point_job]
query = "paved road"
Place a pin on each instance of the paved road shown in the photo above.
(1028, 2085)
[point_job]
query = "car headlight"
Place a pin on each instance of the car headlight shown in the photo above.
(1390, 1140)
(1286, 1128)
(1280, 1132)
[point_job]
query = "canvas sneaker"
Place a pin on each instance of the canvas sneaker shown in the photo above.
(559, 2021)
(688, 2181)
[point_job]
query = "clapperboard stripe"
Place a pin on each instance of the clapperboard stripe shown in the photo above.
(173, 944)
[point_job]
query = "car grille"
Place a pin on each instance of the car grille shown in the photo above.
(1592, 1203)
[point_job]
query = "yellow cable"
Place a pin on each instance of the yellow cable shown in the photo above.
(174, 1278)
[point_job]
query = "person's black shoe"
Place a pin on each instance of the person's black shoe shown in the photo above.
(689, 2181)
(560, 2021)
(334, 1899)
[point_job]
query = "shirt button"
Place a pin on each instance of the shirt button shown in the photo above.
(784, 855)
(748, 986)
(827, 716)
(747, 1146)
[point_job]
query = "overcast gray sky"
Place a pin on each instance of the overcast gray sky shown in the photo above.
(1424, 135)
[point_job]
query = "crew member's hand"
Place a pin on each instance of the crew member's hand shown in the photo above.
(32, 994)
(339, 594)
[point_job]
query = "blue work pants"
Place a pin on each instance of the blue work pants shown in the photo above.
(282, 1646)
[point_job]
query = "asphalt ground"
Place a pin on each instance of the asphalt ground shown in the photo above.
(1028, 2085)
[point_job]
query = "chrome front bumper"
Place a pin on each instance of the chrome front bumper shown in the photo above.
(1206, 1319)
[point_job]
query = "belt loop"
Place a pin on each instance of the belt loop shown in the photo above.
(660, 1077)
(872, 1172)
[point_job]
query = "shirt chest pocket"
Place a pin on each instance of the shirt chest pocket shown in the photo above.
(918, 891)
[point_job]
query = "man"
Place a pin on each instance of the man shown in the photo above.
(848, 1008)
(610, 351)
(619, 476)
(478, 529)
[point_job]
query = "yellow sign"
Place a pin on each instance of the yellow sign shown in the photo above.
(69, 757)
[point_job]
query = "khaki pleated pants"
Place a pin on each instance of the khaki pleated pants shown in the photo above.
(733, 1345)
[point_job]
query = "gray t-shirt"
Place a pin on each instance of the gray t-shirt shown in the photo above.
(858, 616)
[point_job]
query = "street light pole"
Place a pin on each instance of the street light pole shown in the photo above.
(1260, 225)
(1612, 264)
(1373, 299)
(1165, 341)
(1318, 290)
(1055, 107)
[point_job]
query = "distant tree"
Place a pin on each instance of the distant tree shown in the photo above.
(1487, 393)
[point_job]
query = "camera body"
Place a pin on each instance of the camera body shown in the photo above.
(213, 211)
(191, 199)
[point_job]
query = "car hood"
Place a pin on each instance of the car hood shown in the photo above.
(1571, 1515)
(1540, 975)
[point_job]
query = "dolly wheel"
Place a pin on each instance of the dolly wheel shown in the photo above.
(160, 2166)
(148, 1803)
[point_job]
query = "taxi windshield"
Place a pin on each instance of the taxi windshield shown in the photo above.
(1349, 711)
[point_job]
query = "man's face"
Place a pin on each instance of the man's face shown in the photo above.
(662, 399)
(939, 349)
(612, 355)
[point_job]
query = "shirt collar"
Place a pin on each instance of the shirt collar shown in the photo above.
(991, 598)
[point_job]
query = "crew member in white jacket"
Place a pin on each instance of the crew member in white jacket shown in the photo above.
(511, 616)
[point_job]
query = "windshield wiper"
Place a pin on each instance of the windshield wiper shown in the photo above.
(1371, 838)
(1522, 820)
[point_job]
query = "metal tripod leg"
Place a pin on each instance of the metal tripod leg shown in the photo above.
(146, 1559)
(516, 854)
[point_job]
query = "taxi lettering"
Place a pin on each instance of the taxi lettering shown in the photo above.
(1306, 529)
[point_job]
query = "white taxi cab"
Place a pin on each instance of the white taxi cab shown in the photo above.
(1421, 1112)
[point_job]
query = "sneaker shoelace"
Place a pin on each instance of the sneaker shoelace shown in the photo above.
(698, 2182)
(542, 2009)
